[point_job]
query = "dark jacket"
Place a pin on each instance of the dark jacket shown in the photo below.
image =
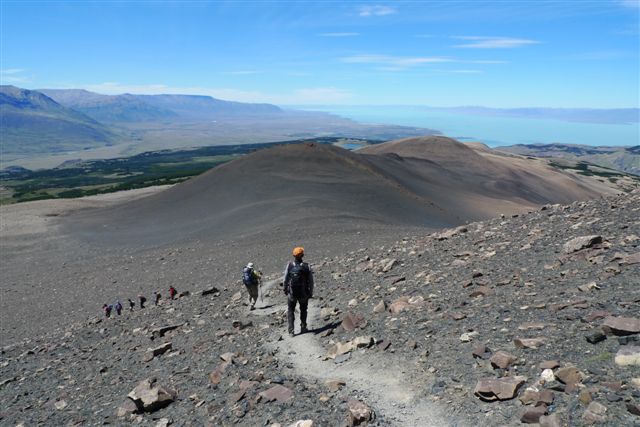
(307, 277)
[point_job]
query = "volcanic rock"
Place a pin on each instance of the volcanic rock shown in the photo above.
(502, 360)
(277, 392)
(533, 343)
(490, 389)
(153, 352)
(581, 242)
(594, 413)
(358, 412)
(150, 396)
(621, 325)
(532, 415)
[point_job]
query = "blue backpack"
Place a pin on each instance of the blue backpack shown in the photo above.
(247, 277)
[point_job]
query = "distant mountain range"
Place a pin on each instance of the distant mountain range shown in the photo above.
(626, 159)
(136, 108)
(33, 122)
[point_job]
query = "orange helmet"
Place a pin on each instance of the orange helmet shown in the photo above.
(298, 251)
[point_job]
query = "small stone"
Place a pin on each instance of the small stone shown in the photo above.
(612, 397)
(150, 396)
(532, 415)
(594, 413)
(481, 351)
(380, 307)
(569, 375)
(335, 385)
(502, 360)
(127, 408)
(549, 421)
(60, 405)
(353, 303)
(585, 397)
(596, 337)
(549, 364)
(533, 343)
(468, 336)
(358, 412)
(350, 322)
(633, 408)
(547, 376)
(628, 355)
(277, 392)
(153, 352)
(302, 423)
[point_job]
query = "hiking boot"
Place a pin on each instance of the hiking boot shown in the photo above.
(252, 308)
(304, 329)
(291, 333)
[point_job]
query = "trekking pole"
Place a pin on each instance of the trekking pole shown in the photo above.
(261, 292)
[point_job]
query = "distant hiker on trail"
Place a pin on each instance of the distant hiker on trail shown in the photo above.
(298, 286)
(172, 292)
(251, 279)
(156, 298)
(142, 300)
(118, 308)
(107, 309)
(131, 304)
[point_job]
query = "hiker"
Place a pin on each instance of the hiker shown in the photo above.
(298, 286)
(107, 310)
(118, 308)
(172, 292)
(251, 279)
(156, 298)
(131, 304)
(142, 300)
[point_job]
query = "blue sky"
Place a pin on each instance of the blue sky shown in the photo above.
(438, 53)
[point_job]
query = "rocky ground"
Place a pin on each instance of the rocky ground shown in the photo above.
(533, 318)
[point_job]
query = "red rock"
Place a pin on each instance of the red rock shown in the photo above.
(596, 315)
(546, 397)
(277, 392)
(236, 397)
(621, 325)
(480, 291)
(502, 360)
(490, 389)
(351, 321)
(569, 375)
(216, 375)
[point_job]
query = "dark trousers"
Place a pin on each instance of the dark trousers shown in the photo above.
(291, 313)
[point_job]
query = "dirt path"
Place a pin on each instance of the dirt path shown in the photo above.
(376, 379)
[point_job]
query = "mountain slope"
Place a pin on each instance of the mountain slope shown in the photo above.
(33, 122)
(626, 159)
(318, 186)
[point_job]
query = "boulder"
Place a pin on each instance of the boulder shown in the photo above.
(149, 396)
(153, 352)
(490, 389)
(580, 243)
(502, 360)
(358, 413)
(628, 355)
(621, 325)
(278, 393)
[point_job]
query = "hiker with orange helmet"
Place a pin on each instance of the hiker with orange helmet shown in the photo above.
(298, 286)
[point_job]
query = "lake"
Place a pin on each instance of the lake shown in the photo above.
(493, 131)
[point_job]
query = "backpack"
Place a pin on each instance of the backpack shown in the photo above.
(298, 276)
(247, 277)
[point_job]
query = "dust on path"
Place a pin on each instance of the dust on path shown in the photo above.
(376, 379)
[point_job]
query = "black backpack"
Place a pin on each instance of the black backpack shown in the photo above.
(247, 276)
(298, 277)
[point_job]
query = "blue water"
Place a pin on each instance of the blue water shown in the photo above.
(494, 131)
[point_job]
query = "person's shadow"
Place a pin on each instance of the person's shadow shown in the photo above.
(330, 325)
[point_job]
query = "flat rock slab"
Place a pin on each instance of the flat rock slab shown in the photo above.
(580, 243)
(278, 393)
(502, 360)
(490, 389)
(153, 352)
(533, 343)
(621, 325)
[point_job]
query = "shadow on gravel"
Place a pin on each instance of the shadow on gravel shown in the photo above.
(264, 307)
(317, 331)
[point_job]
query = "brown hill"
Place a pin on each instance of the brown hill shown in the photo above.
(424, 182)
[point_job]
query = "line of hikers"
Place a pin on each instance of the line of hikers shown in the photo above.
(142, 300)
(297, 286)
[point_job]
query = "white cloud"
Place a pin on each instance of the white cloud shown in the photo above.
(376, 10)
(339, 34)
(13, 75)
(297, 96)
(630, 3)
(394, 63)
(480, 42)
